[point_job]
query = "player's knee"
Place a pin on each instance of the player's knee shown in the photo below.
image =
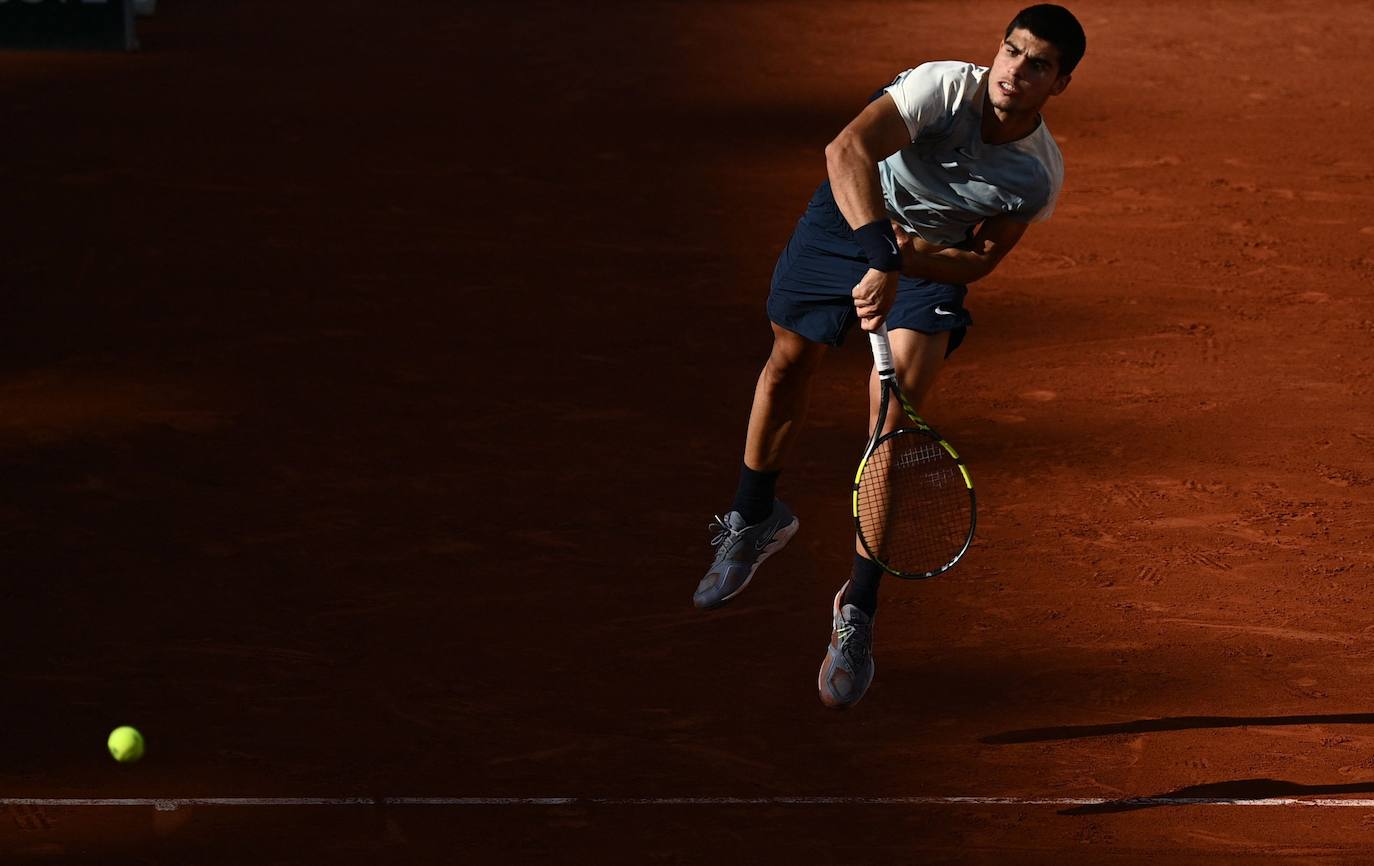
(786, 371)
(788, 368)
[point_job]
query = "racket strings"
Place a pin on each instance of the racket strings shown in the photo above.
(914, 507)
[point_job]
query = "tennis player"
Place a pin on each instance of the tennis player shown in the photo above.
(928, 189)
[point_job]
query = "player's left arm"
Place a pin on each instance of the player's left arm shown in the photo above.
(992, 240)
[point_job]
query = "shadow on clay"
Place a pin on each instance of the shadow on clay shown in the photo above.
(1235, 791)
(1172, 723)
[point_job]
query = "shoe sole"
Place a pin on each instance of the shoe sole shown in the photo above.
(779, 541)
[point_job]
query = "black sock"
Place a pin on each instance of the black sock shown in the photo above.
(863, 585)
(754, 496)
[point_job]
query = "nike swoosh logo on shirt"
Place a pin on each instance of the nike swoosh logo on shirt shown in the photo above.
(893, 245)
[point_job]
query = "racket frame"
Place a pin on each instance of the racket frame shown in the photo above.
(887, 382)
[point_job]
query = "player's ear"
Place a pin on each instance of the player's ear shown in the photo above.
(1060, 84)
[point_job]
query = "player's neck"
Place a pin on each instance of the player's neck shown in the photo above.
(1003, 127)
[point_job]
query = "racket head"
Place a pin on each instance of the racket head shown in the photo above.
(914, 506)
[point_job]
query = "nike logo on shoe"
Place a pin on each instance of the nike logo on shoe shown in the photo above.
(765, 540)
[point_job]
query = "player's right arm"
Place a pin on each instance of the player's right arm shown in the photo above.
(852, 162)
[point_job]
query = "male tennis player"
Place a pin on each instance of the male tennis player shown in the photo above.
(929, 188)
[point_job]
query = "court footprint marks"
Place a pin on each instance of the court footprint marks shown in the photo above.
(1254, 244)
(1205, 558)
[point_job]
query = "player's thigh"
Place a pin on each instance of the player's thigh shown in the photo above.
(918, 358)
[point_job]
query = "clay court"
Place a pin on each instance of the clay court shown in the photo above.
(370, 376)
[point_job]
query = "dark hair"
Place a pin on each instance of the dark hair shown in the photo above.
(1057, 26)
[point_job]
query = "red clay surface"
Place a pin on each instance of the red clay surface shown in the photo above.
(370, 375)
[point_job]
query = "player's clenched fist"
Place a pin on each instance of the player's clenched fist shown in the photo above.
(873, 297)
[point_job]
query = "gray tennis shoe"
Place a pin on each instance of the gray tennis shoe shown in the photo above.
(848, 666)
(740, 548)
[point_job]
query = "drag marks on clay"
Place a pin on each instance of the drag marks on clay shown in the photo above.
(1343, 477)
(1204, 343)
(1185, 536)
(1263, 630)
(1306, 687)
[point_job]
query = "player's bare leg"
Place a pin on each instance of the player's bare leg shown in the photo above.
(758, 525)
(918, 359)
(781, 398)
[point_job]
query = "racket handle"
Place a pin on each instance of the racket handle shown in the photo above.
(882, 351)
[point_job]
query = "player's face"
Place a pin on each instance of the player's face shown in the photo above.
(1024, 74)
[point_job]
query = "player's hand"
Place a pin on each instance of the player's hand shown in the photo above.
(873, 297)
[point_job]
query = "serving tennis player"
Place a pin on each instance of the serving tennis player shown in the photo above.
(928, 189)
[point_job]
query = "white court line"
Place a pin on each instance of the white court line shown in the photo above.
(168, 804)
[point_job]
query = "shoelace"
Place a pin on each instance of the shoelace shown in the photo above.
(722, 531)
(856, 650)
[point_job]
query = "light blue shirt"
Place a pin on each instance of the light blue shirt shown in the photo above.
(948, 180)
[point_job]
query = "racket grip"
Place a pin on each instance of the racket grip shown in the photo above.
(882, 351)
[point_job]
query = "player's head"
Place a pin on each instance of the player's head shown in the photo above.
(1057, 26)
(1040, 50)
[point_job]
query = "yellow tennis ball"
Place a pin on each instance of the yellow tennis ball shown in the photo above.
(126, 744)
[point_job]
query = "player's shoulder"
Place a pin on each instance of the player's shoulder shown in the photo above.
(932, 94)
(944, 74)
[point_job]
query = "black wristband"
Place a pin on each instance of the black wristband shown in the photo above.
(879, 243)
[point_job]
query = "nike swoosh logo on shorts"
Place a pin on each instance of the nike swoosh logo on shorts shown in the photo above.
(940, 312)
(894, 246)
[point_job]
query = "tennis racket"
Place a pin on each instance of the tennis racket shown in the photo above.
(914, 507)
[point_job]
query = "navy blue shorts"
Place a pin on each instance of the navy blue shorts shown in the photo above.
(816, 273)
